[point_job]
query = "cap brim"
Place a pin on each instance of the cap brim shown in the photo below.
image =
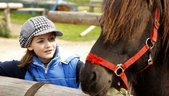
(57, 33)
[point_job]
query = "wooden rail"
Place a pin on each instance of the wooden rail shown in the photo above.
(6, 7)
(18, 87)
(11, 5)
(43, 11)
(84, 18)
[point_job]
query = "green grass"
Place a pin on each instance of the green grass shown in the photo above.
(19, 18)
(71, 32)
(79, 1)
(87, 9)
(83, 5)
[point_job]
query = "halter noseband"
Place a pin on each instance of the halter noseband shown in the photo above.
(120, 69)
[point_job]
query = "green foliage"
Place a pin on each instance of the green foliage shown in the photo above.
(4, 32)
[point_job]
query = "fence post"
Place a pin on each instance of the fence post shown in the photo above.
(7, 17)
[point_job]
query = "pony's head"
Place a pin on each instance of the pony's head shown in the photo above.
(134, 32)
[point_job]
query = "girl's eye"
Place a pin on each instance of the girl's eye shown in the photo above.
(52, 38)
(40, 41)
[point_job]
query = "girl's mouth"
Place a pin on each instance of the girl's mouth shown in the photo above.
(48, 51)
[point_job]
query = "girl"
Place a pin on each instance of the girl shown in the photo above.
(43, 60)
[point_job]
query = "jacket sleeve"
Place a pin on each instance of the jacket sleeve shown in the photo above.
(79, 65)
(11, 69)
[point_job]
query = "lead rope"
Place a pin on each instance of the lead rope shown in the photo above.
(34, 88)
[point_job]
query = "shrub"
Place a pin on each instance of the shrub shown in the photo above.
(4, 31)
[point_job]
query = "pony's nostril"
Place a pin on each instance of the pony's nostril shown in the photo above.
(93, 76)
(110, 81)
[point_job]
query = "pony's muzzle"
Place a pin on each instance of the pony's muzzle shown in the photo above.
(96, 80)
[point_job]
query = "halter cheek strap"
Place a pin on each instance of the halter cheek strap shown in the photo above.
(119, 69)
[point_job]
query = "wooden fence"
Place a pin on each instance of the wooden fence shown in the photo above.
(6, 7)
(84, 18)
(19, 87)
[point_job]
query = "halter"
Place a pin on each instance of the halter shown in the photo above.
(119, 69)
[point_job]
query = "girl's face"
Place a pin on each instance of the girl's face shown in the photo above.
(44, 46)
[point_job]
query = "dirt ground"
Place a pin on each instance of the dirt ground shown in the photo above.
(10, 48)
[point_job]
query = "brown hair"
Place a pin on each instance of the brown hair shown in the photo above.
(26, 59)
(118, 20)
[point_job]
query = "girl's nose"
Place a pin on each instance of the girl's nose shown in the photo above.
(47, 44)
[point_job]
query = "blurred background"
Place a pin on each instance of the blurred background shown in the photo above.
(20, 10)
(13, 13)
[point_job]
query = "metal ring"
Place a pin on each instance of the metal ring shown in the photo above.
(150, 43)
(119, 69)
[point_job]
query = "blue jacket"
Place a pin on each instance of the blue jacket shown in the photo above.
(11, 69)
(61, 70)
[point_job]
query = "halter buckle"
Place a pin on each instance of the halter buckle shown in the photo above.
(119, 70)
(150, 43)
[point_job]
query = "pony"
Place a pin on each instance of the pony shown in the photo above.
(132, 50)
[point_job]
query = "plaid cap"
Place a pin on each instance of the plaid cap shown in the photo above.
(35, 26)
